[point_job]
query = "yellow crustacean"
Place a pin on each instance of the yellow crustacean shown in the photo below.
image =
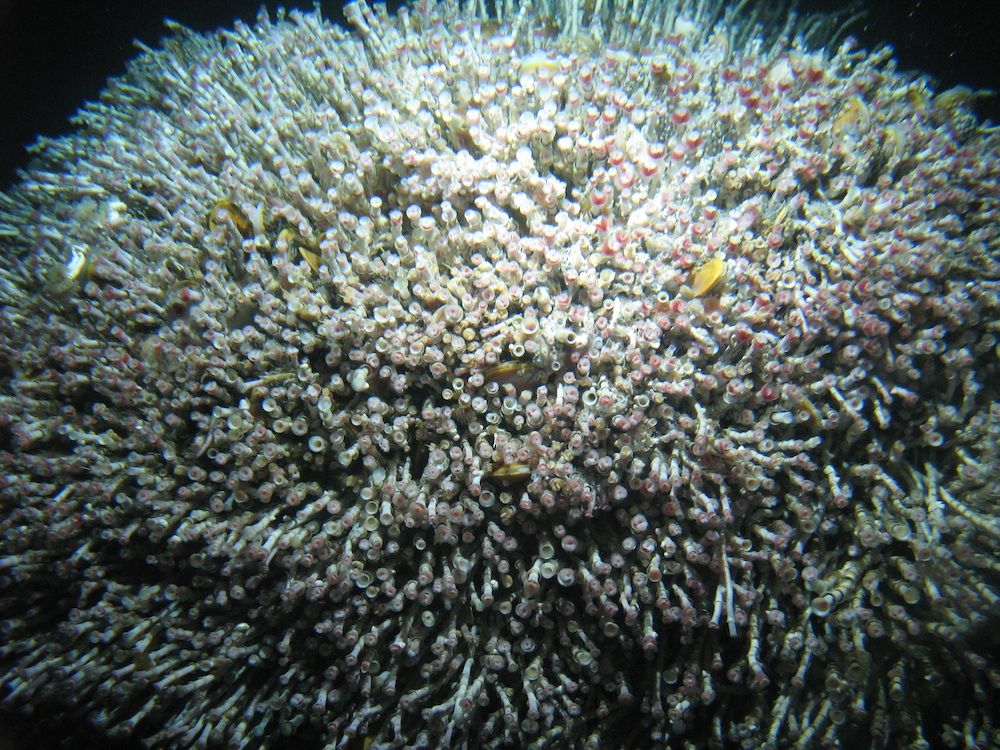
(63, 278)
(311, 258)
(960, 96)
(854, 117)
(515, 473)
(539, 62)
(956, 108)
(226, 209)
(290, 237)
(511, 372)
(708, 277)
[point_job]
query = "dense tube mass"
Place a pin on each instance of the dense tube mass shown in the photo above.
(577, 374)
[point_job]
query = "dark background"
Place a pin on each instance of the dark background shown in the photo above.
(56, 54)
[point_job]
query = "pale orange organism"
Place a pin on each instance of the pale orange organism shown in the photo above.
(708, 277)
(854, 118)
(226, 209)
(515, 473)
(517, 373)
(311, 258)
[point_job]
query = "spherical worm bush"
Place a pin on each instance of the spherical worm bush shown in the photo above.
(564, 375)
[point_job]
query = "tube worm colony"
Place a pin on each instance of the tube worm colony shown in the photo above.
(577, 375)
